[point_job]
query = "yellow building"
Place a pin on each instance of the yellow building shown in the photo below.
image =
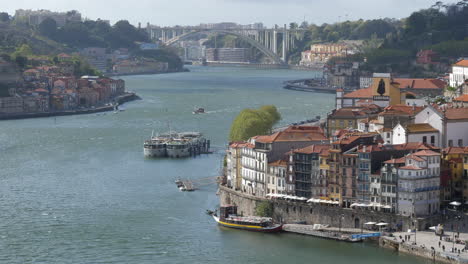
(465, 175)
(452, 181)
(383, 92)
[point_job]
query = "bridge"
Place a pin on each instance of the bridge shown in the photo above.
(274, 43)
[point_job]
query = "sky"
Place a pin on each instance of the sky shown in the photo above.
(194, 12)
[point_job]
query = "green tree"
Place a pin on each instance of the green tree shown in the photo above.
(48, 27)
(21, 61)
(264, 209)
(4, 17)
(252, 122)
(293, 25)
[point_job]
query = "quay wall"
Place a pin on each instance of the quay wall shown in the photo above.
(414, 250)
(309, 213)
(120, 99)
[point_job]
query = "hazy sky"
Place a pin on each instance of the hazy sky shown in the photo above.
(194, 12)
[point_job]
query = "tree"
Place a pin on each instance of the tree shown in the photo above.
(253, 122)
(293, 25)
(264, 209)
(21, 61)
(304, 25)
(48, 27)
(4, 17)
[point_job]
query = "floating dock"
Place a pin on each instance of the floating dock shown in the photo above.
(187, 185)
(327, 233)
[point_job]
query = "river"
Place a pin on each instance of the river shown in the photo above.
(77, 189)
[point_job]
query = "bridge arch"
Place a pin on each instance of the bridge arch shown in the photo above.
(267, 52)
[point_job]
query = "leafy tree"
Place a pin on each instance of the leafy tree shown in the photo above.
(4, 17)
(21, 61)
(252, 122)
(264, 209)
(293, 25)
(48, 27)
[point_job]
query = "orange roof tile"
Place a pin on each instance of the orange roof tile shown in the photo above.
(455, 150)
(420, 128)
(295, 133)
(463, 98)
(462, 63)
(396, 161)
(420, 83)
(361, 93)
(278, 163)
(456, 113)
(426, 153)
(313, 149)
(410, 167)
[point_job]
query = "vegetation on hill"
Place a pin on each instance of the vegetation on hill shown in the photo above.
(21, 41)
(252, 122)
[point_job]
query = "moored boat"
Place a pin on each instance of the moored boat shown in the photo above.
(198, 111)
(228, 218)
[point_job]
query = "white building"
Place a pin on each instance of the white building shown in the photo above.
(419, 184)
(459, 73)
(276, 177)
(451, 122)
(415, 133)
(254, 165)
(233, 165)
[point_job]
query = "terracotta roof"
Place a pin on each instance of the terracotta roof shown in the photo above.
(410, 167)
(463, 98)
(295, 133)
(420, 83)
(396, 161)
(415, 157)
(455, 150)
(462, 63)
(456, 113)
(238, 144)
(420, 128)
(361, 93)
(401, 110)
(278, 163)
(313, 149)
(426, 153)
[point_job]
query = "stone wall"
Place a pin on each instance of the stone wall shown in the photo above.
(293, 212)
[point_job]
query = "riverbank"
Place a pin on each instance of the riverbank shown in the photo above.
(143, 73)
(120, 100)
(350, 221)
(299, 85)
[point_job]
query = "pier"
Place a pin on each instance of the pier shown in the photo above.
(339, 234)
(188, 185)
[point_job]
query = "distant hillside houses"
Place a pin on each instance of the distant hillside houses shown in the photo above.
(35, 17)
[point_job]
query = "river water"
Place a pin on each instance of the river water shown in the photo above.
(77, 189)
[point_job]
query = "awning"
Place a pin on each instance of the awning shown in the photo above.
(370, 223)
(353, 205)
(381, 224)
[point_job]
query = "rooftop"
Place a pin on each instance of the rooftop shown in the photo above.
(462, 63)
(320, 149)
(426, 152)
(420, 128)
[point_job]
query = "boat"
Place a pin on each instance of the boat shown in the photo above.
(176, 145)
(198, 111)
(228, 218)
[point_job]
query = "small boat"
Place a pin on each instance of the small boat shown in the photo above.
(228, 218)
(198, 111)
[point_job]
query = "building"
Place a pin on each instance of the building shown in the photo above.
(233, 165)
(35, 17)
(97, 57)
(349, 117)
(459, 73)
(452, 174)
(11, 104)
(228, 55)
(426, 57)
(276, 177)
(421, 132)
(419, 184)
(261, 150)
(451, 122)
(321, 53)
(385, 193)
(310, 181)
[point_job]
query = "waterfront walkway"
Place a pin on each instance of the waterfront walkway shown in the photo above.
(427, 240)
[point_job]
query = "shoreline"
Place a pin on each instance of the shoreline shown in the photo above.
(121, 99)
(143, 73)
(291, 212)
(292, 85)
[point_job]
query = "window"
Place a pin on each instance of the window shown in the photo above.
(424, 139)
(433, 140)
(450, 143)
(460, 142)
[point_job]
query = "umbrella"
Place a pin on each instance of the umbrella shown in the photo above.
(432, 228)
(370, 223)
(354, 204)
(455, 203)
